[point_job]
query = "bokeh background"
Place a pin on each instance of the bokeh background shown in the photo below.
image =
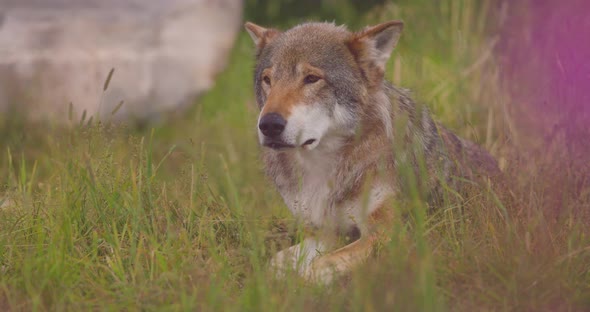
(130, 178)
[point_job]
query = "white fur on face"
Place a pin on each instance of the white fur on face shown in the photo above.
(307, 122)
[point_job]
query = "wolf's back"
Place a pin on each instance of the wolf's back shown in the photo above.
(461, 157)
(471, 160)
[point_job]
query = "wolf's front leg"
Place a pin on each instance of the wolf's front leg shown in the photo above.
(325, 268)
(297, 258)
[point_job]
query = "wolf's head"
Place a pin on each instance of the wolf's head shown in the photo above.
(313, 80)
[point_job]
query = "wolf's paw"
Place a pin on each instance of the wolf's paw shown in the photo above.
(283, 262)
(296, 258)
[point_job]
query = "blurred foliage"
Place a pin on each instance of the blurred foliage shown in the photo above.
(286, 12)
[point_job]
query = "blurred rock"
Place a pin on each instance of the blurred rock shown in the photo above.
(53, 52)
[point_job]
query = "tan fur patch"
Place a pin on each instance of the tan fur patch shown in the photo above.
(371, 73)
(281, 100)
(363, 54)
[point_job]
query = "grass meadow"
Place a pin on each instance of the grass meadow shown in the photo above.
(179, 216)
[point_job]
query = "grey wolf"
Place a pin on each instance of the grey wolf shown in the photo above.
(335, 135)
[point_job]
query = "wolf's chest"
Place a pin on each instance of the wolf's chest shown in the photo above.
(313, 192)
(308, 195)
(312, 203)
(310, 200)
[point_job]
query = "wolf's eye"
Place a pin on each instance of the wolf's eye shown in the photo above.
(266, 80)
(309, 79)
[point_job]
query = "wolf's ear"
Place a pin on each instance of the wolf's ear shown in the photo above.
(260, 35)
(376, 42)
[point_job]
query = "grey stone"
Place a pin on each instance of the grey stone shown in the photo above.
(56, 52)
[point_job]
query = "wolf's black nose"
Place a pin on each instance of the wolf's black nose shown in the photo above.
(272, 125)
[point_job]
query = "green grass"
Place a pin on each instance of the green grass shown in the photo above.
(180, 217)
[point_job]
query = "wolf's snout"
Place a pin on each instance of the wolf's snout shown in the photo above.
(272, 125)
